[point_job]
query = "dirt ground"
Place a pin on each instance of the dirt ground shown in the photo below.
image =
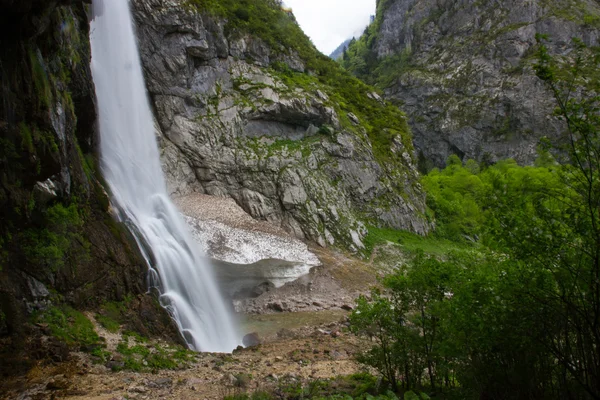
(320, 349)
(302, 326)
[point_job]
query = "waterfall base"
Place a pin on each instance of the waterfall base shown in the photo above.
(251, 256)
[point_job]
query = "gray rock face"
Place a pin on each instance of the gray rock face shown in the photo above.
(466, 79)
(231, 127)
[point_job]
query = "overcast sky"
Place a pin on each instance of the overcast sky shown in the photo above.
(329, 22)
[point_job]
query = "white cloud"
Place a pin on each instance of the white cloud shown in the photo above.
(329, 22)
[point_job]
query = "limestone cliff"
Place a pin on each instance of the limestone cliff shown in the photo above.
(58, 242)
(462, 70)
(255, 113)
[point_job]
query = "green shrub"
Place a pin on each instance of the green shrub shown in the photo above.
(57, 239)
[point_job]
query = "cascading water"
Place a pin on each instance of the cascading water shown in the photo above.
(130, 164)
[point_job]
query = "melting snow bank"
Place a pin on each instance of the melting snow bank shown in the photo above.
(253, 256)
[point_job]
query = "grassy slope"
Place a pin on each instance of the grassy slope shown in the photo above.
(277, 27)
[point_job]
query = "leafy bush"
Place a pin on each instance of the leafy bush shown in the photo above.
(463, 196)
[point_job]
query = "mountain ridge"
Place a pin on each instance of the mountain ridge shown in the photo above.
(462, 71)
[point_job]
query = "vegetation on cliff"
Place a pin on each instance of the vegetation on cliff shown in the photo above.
(277, 27)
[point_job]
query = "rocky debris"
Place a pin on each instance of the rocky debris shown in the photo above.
(322, 289)
(332, 286)
(231, 128)
(296, 358)
(160, 383)
(58, 383)
(277, 306)
(251, 340)
(470, 89)
(354, 119)
(284, 333)
(338, 355)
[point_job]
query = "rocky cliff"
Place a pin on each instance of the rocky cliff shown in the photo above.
(462, 70)
(58, 242)
(247, 108)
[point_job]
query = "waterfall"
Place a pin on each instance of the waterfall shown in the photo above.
(129, 159)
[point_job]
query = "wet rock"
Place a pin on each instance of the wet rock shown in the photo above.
(46, 191)
(251, 340)
(276, 306)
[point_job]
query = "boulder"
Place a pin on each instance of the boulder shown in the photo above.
(251, 340)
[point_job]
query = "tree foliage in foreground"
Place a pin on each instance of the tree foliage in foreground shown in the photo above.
(518, 318)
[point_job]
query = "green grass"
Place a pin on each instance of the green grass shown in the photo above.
(114, 314)
(70, 326)
(108, 323)
(140, 356)
(410, 242)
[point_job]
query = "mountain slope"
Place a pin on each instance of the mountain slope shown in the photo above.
(339, 51)
(462, 70)
(249, 109)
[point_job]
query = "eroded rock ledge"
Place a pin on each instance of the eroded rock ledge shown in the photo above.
(231, 126)
(250, 256)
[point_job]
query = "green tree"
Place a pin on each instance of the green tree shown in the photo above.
(405, 323)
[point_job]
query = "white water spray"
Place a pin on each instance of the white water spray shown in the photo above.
(130, 164)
